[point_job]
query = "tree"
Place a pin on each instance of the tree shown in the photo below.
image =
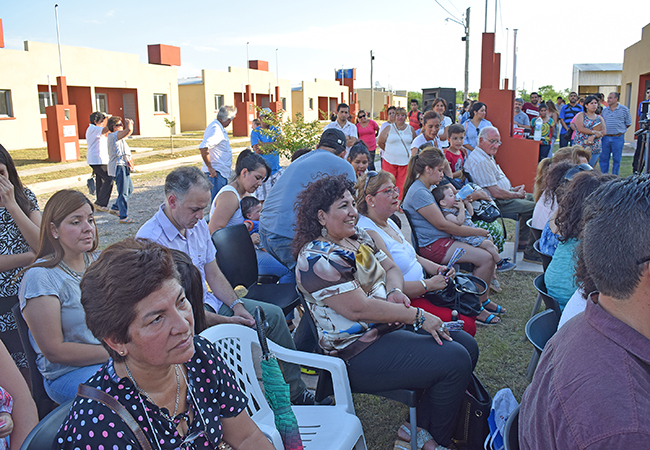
(171, 124)
(460, 99)
(547, 92)
(413, 95)
(294, 134)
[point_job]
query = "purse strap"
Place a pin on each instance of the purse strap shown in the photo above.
(408, 154)
(102, 397)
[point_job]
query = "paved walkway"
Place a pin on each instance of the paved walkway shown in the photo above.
(80, 180)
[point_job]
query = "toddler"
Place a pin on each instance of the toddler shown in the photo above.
(460, 213)
(6, 423)
(251, 209)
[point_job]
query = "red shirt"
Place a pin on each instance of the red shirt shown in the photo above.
(414, 119)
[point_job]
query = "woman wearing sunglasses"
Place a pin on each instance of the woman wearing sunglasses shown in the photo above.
(368, 131)
(173, 384)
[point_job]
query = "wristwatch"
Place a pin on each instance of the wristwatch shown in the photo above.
(235, 303)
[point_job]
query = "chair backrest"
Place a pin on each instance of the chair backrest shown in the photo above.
(43, 402)
(414, 236)
(43, 434)
(511, 431)
(541, 328)
(236, 255)
(546, 258)
(235, 347)
(549, 301)
(537, 233)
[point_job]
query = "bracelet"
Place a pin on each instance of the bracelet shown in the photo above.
(393, 290)
(235, 303)
(419, 319)
(424, 285)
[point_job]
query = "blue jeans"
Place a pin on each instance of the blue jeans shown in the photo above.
(613, 145)
(65, 387)
(268, 265)
(217, 183)
(280, 247)
(594, 159)
(124, 189)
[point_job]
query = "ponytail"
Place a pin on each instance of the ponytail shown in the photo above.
(250, 161)
(429, 157)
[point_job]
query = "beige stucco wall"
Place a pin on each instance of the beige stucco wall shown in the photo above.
(197, 113)
(315, 89)
(380, 100)
(601, 80)
(636, 62)
(22, 72)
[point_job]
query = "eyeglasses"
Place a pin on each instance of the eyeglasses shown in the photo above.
(577, 169)
(362, 116)
(369, 175)
(495, 141)
(119, 124)
(390, 191)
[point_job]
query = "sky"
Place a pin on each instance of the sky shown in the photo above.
(414, 46)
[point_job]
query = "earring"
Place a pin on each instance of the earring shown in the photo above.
(373, 205)
(323, 232)
(121, 352)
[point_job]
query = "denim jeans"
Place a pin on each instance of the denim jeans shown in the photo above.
(594, 159)
(268, 265)
(279, 247)
(65, 387)
(124, 189)
(612, 145)
(217, 183)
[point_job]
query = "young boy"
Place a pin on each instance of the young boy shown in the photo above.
(251, 209)
(460, 213)
(547, 131)
(455, 153)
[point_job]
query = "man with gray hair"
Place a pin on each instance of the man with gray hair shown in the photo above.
(590, 389)
(521, 119)
(215, 149)
(179, 224)
(485, 172)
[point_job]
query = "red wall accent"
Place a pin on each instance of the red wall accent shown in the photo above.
(80, 97)
(643, 79)
(2, 37)
(323, 108)
(258, 64)
(517, 157)
(164, 55)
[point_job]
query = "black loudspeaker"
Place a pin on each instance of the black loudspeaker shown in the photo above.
(449, 94)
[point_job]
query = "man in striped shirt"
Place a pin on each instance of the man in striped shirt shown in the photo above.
(617, 121)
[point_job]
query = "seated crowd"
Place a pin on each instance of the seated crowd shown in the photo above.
(125, 321)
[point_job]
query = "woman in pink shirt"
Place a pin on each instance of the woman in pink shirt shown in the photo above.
(368, 131)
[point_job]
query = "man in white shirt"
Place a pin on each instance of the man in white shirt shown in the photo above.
(341, 123)
(179, 224)
(485, 172)
(215, 149)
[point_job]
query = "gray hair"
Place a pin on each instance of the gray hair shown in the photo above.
(520, 100)
(179, 181)
(484, 132)
(226, 113)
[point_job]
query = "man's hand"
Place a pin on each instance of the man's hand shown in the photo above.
(243, 316)
(350, 140)
(213, 173)
(257, 148)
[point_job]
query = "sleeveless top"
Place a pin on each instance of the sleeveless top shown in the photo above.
(237, 216)
(398, 145)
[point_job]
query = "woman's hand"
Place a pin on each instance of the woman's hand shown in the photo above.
(437, 282)
(482, 232)
(434, 325)
(255, 237)
(7, 193)
(6, 425)
(400, 298)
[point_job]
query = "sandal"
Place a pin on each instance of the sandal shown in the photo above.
(422, 436)
(127, 220)
(489, 319)
(115, 212)
(499, 310)
(495, 285)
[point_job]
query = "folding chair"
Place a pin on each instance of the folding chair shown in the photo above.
(511, 431)
(43, 434)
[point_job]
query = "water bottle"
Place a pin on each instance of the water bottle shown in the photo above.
(538, 129)
(464, 192)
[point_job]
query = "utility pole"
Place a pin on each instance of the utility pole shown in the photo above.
(248, 68)
(466, 54)
(485, 26)
(58, 37)
(372, 87)
(277, 70)
(514, 61)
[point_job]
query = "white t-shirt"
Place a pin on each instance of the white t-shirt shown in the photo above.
(216, 140)
(446, 121)
(97, 154)
(237, 216)
(349, 130)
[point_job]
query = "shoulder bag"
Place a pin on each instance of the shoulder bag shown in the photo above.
(462, 294)
(472, 423)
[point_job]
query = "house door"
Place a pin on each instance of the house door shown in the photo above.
(128, 104)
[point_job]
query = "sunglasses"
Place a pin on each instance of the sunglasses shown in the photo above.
(577, 169)
(363, 116)
(370, 174)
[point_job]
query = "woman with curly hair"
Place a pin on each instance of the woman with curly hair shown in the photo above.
(354, 293)
(560, 276)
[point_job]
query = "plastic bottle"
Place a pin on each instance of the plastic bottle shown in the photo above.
(538, 129)
(464, 192)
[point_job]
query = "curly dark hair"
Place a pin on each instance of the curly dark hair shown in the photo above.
(569, 214)
(318, 195)
(553, 181)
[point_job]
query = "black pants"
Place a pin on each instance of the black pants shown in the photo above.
(406, 360)
(104, 184)
(638, 154)
(371, 161)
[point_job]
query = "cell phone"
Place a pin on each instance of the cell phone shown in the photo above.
(456, 325)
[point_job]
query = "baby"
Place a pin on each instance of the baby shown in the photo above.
(460, 213)
(251, 209)
(6, 423)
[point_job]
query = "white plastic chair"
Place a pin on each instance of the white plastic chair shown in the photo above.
(321, 427)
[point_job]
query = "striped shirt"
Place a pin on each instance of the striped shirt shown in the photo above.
(617, 121)
(485, 171)
(568, 112)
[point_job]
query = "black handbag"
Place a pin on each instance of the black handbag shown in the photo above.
(462, 294)
(486, 211)
(472, 423)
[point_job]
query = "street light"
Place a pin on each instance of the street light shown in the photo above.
(466, 39)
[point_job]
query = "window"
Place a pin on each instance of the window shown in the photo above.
(160, 103)
(311, 104)
(284, 103)
(218, 101)
(5, 104)
(44, 100)
(101, 104)
(628, 94)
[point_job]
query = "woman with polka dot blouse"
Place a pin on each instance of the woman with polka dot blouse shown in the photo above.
(174, 384)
